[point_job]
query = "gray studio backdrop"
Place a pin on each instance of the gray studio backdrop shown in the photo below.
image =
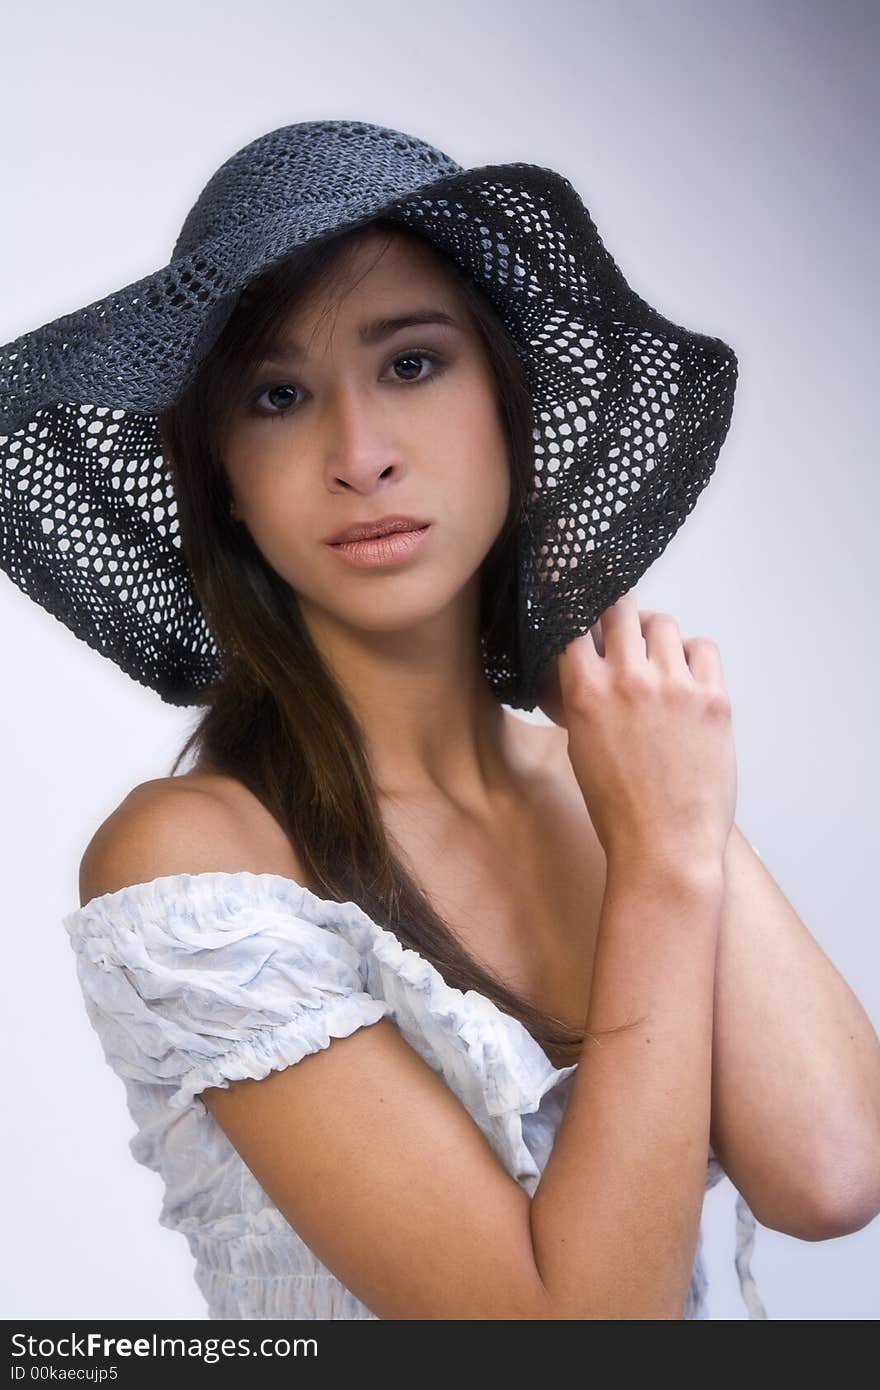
(725, 153)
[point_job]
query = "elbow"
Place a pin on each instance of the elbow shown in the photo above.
(845, 1218)
(850, 1202)
(816, 1208)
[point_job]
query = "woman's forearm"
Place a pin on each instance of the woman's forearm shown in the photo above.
(616, 1214)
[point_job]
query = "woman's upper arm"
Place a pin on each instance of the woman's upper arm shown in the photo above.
(361, 1146)
(384, 1174)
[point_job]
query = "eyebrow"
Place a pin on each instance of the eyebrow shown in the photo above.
(373, 332)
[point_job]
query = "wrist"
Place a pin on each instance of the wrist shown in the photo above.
(684, 867)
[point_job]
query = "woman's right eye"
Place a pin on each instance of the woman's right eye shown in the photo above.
(279, 413)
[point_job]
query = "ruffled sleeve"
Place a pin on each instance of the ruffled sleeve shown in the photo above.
(198, 980)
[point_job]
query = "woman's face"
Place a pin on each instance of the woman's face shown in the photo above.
(340, 428)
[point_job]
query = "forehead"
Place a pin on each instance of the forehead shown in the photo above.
(375, 290)
(373, 268)
(388, 253)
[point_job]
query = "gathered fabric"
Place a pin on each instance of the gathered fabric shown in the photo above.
(198, 980)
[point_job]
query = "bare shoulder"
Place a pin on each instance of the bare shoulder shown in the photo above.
(189, 824)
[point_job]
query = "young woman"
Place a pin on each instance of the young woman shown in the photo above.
(413, 999)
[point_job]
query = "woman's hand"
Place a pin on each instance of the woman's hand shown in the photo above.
(550, 700)
(650, 739)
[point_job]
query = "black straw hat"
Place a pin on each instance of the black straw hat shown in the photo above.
(630, 409)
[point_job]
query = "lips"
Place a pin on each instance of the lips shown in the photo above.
(383, 526)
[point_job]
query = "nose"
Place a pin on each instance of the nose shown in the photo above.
(362, 452)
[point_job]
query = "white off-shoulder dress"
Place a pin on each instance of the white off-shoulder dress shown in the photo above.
(197, 980)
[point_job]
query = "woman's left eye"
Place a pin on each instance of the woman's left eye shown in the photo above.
(420, 356)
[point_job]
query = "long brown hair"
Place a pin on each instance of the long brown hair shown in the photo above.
(276, 719)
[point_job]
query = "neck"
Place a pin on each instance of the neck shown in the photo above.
(429, 718)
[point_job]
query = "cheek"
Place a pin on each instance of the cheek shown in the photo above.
(482, 472)
(284, 530)
(488, 501)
